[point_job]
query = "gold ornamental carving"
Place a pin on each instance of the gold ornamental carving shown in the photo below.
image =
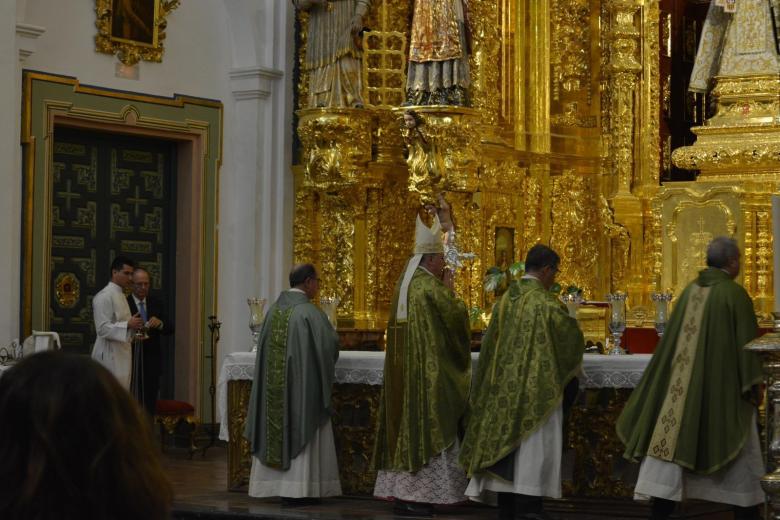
(570, 58)
(134, 31)
(743, 134)
(718, 155)
(623, 69)
(354, 424)
(336, 146)
(619, 243)
(442, 149)
(691, 216)
(485, 41)
(239, 448)
(576, 230)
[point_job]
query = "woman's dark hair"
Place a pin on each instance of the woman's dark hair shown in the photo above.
(74, 445)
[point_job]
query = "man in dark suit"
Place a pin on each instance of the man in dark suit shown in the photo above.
(151, 311)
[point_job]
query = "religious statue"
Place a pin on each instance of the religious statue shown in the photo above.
(332, 51)
(438, 72)
(426, 168)
(738, 39)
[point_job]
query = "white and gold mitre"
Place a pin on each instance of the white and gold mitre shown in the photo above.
(428, 239)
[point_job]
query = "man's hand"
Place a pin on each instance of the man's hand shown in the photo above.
(154, 323)
(136, 322)
(445, 214)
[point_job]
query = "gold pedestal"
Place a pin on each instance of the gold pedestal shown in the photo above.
(737, 153)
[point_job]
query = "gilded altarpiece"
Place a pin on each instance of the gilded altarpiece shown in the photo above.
(560, 145)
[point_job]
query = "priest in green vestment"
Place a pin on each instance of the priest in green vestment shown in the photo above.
(427, 376)
(692, 418)
(288, 422)
(528, 363)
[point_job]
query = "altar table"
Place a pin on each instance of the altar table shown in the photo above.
(597, 469)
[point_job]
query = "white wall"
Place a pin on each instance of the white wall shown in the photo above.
(236, 51)
(10, 178)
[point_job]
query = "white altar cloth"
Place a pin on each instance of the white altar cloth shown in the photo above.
(363, 367)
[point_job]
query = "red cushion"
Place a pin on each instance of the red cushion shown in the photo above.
(171, 407)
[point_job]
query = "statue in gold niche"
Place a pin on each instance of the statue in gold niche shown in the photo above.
(426, 168)
(332, 53)
(438, 71)
(738, 38)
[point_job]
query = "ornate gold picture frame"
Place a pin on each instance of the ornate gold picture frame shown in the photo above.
(134, 30)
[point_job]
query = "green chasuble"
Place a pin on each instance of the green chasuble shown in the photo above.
(692, 406)
(531, 350)
(293, 379)
(427, 376)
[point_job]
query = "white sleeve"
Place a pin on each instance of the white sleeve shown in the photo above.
(105, 326)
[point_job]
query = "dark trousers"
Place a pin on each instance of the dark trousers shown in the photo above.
(151, 380)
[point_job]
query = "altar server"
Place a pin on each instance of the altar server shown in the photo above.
(114, 324)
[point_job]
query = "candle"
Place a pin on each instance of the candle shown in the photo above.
(775, 249)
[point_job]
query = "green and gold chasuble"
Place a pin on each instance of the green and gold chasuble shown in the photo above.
(427, 376)
(693, 406)
(531, 350)
(293, 379)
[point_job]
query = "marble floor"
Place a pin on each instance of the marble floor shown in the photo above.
(200, 493)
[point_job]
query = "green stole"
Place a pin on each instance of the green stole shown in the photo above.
(276, 383)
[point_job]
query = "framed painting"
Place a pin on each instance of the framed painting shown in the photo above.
(133, 21)
(132, 29)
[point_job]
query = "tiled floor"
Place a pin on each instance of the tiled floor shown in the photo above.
(200, 487)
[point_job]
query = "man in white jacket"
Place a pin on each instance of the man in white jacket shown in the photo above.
(114, 324)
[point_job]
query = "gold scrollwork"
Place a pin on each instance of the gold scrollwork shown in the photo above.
(336, 145)
(570, 57)
(576, 230)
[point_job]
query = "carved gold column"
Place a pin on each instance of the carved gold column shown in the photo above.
(538, 203)
(623, 73)
(486, 40)
(648, 126)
